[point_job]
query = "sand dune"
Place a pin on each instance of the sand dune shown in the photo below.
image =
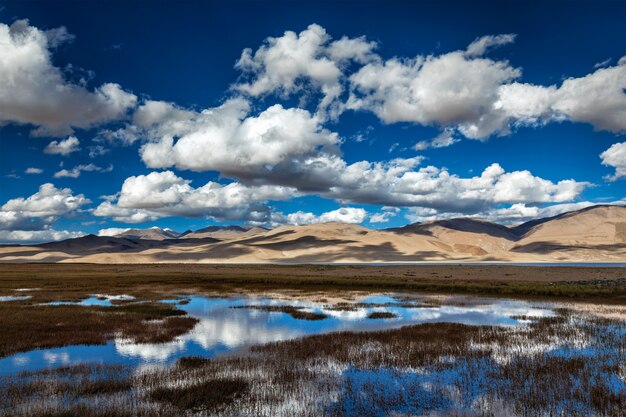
(596, 234)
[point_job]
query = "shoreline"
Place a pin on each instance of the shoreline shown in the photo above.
(585, 283)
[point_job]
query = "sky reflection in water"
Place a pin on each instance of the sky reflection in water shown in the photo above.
(223, 329)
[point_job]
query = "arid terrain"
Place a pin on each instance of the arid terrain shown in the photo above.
(595, 234)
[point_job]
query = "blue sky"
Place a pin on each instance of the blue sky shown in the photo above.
(131, 114)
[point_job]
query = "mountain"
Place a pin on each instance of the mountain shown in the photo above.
(224, 232)
(93, 243)
(586, 231)
(594, 234)
(474, 236)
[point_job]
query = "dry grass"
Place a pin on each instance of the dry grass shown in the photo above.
(151, 281)
(209, 395)
(381, 315)
(24, 326)
(545, 368)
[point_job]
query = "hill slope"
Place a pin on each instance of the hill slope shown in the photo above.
(595, 234)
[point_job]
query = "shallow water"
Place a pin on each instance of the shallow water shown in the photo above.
(95, 300)
(6, 298)
(223, 329)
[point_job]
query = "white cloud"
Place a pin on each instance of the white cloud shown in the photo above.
(447, 90)
(125, 215)
(289, 148)
(97, 150)
(615, 157)
(400, 183)
(36, 236)
(513, 214)
(290, 63)
(163, 194)
(385, 215)
(443, 140)
(78, 169)
(63, 147)
(602, 64)
(480, 97)
(33, 170)
(112, 231)
(342, 215)
(34, 91)
(40, 209)
(224, 139)
(597, 98)
(481, 45)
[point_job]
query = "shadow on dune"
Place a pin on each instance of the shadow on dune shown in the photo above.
(385, 252)
(550, 247)
(253, 240)
(227, 251)
(461, 225)
(304, 242)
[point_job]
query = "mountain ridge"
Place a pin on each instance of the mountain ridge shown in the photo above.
(592, 234)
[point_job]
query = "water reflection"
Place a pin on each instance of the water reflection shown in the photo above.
(225, 327)
(102, 300)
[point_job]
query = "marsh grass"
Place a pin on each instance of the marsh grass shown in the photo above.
(381, 315)
(569, 365)
(25, 327)
(70, 282)
(209, 395)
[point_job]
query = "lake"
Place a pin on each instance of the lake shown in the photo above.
(225, 327)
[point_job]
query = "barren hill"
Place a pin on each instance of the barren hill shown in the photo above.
(594, 234)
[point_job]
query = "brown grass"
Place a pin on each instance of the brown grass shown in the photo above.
(24, 326)
(151, 281)
(327, 375)
(381, 315)
(208, 395)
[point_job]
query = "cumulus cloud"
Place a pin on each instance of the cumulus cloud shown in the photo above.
(510, 215)
(402, 185)
(112, 231)
(33, 170)
(462, 90)
(481, 97)
(615, 157)
(396, 183)
(447, 90)
(39, 210)
(164, 194)
(342, 215)
(78, 169)
(225, 139)
(597, 98)
(63, 147)
(290, 63)
(290, 148)
(34, 91)
(36, 236)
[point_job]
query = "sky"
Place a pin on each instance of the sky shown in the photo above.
(187, 114)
